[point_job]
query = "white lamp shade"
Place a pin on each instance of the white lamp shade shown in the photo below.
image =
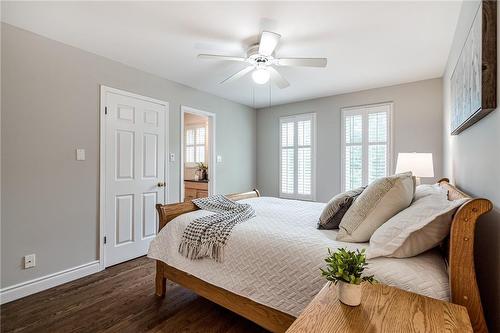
(420, 164)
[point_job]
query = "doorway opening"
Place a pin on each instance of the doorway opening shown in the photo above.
(197, 154)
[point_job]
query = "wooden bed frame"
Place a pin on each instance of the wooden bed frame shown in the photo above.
(458, 251)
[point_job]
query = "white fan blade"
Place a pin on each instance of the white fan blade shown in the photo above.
(268, 42)
(280, 81)
(239, 74)
(303, 62)
(219, 57)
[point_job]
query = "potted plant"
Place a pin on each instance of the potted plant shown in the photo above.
(203, 170)
(346, 268)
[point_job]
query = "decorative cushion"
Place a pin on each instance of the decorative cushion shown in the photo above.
(381, 200)
(336, 208)
(416, 229)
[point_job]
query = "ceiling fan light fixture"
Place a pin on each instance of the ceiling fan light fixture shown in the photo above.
(261, 75)
(261, 60)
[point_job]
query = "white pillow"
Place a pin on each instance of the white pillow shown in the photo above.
(428, 189)
(416, 229)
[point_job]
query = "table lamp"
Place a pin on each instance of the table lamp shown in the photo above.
(420, 164)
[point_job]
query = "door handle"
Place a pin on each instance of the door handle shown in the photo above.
(161, 184)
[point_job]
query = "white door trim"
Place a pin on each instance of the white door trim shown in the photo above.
(211, 148)
(102, 158)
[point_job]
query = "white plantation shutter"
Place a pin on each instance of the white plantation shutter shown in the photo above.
(366, 144)
(304, 157)
(200, 136)
(190, 146)
(297, 153)
(353, 151)
(195, 144)
(377, 145)
(287, 157)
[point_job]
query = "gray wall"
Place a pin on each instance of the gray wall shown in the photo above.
(417, 127)
(50, 106)
(472, 159)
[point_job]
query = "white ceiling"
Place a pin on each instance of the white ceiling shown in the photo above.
(368, 44)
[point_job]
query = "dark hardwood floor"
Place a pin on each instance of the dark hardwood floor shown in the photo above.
(120, 299)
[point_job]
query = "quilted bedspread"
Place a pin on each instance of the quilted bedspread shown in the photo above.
(274, 258)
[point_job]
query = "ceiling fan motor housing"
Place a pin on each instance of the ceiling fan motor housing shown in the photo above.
(257, 59)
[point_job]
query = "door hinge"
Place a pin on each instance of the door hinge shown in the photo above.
(105, 240)
(105, 110)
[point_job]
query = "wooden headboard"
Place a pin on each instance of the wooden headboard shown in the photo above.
(460, 254)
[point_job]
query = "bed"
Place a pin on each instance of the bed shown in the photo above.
(270, 274)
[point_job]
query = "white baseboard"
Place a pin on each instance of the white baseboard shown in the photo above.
(23, 289)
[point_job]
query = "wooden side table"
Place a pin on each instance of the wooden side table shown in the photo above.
(382, 309)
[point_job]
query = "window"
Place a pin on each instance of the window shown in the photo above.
(297, 156)
(366, 144)
(195, 144)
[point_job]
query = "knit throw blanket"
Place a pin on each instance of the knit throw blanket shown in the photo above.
(206, 236)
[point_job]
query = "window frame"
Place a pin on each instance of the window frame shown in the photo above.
(194, 127)
(364, 111)
(295, 119)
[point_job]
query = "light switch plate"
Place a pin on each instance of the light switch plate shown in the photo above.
(80, 154)
(219, 159)
(29, 261)
(172, 157)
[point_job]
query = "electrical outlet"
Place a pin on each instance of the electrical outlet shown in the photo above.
(172, 157)
(29, 261)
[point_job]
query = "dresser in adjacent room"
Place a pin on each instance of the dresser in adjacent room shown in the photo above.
(195, 189)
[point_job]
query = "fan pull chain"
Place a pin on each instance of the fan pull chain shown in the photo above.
(253, 96)
(269, 93)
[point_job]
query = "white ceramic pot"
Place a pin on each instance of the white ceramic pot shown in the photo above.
(349, 294)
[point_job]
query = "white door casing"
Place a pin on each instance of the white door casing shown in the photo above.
(134, 173)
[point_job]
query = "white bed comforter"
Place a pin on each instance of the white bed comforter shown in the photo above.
(274, 258)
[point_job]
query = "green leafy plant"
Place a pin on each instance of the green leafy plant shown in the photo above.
(346, 266)
(202, 166)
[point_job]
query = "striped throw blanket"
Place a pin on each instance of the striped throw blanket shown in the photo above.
(206, 236)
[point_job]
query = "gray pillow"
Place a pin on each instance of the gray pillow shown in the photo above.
(336, 208)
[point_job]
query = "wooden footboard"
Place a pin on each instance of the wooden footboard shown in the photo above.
(459, 254)
(269, 318)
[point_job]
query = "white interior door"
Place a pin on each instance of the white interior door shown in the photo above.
(135, 131)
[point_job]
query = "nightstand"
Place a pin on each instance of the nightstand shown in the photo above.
(382, 309)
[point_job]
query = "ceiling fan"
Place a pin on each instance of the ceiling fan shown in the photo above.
(261, 60)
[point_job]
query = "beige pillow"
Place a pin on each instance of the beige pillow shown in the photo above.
(418, 228)
(381, 200)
